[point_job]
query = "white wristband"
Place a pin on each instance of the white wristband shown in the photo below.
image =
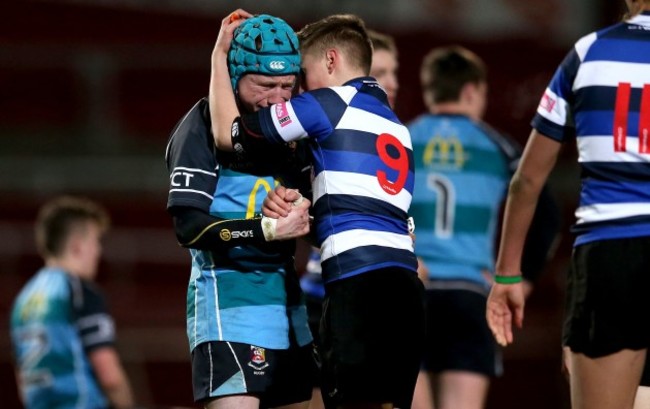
(268, 228)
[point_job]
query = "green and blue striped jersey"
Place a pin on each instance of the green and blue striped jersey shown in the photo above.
(462, 170)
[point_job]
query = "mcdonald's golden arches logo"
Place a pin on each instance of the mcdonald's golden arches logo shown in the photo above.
(444, 152)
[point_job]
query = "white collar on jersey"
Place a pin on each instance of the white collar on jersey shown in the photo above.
(641, 19)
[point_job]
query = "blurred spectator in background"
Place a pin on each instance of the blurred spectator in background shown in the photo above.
(246, 318)
(385, 64)
(462, 169)
(62, 333)
(599, 97)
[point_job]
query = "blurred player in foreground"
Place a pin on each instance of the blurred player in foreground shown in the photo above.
(62, 333)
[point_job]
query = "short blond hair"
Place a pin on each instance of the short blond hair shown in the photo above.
(346, 32)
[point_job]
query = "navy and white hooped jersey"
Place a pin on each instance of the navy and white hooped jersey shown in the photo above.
(462, 168)
(363, 174)
(56, 321)
(600, 95)
(248, 294)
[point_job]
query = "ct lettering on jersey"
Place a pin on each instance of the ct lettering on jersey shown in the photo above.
(181, 178)
(282, 114)
(444, 152)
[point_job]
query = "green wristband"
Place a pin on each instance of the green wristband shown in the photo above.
(507, 279)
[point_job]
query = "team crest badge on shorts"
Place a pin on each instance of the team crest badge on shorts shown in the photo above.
(258, 358)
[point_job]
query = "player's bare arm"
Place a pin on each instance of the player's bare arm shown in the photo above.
(106, 365)
(506, 301)
(223, 108)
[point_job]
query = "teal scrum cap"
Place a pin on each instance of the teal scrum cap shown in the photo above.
(264, 45)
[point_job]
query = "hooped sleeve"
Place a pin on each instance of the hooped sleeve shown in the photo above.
(90, 313)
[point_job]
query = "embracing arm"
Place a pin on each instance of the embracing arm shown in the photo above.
(197, 229)
(223, 107)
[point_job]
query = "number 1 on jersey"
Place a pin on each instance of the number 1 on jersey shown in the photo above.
(445, 204)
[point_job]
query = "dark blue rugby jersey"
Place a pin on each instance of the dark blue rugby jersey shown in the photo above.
(600, 95)
(363, 174)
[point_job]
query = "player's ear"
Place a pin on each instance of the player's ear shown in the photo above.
(74, 244)
(467, 92)
(331, 59)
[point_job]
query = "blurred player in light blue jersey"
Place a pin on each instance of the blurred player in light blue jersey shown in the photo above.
(599, 98)
(246, 318)
(62, 333)
(362, 189)
(462, 169)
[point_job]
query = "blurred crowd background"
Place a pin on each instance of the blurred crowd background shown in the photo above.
(90, 90)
